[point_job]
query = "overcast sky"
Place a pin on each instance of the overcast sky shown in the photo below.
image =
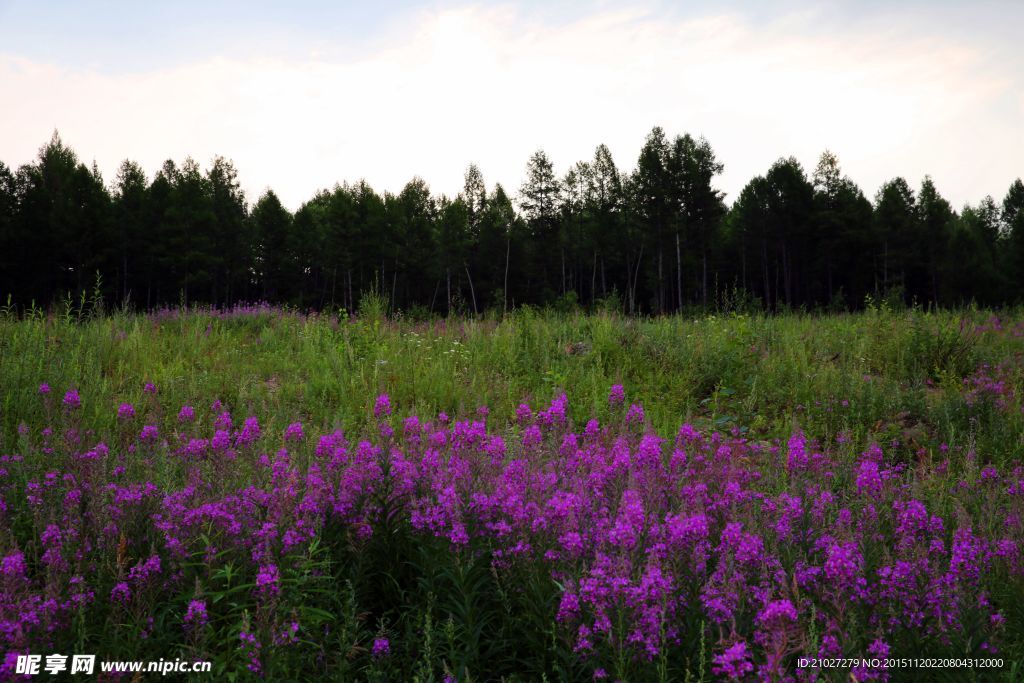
(317, 93)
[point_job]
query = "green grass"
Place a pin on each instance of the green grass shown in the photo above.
(900, 372)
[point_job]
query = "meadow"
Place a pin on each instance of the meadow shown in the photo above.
(544, 496)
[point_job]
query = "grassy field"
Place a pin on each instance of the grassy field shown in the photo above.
(861, 373)
(387, 556)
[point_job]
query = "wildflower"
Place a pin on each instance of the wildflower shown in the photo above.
(145, 569)
(72, 399)
(150, 388)
(868, 477)
(13, 564)
(126, 411)
(382, 407)
(617, 395)
(287, 635)
(186, 414)
(121, 593)
(223, 420)
(635, 414)
(294, 432)
(249, 433)
(149, 433)
(797, 458)
(842, 565)
(777, 613)
(877, 651)
(267, 580)
(196, 447)
(381, 647)
(251, 646)
(733, 663)
(44, 388)
(195, 615)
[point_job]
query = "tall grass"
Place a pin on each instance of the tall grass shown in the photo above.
(757, 373)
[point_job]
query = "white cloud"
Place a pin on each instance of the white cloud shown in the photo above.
(491, 86)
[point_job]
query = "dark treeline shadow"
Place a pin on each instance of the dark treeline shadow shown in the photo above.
(659, 239)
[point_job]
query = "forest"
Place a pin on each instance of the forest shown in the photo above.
(658, 239)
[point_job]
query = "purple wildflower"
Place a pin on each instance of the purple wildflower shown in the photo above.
(72, 399)
(121, 593)
(635, 414)
(381, 647)
(267, 580)
(195, 615)
(13, 564)
(382, 407)
(293, 432)
(734, 663)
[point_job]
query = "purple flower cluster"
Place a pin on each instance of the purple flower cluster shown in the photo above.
(381, 647)
(382, 407)
(774, 546)
(293, 432)
(71, 398)
(994, 385)
(196, 616)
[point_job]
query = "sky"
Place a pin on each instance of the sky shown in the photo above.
(304, 95)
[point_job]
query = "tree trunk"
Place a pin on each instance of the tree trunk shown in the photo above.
(472, 291)
(124, 275)
(743, 262)
(828, 267)
(661, 282)
(885, 265)
(351, 303)
(764, 270)
(563, 271)
(629, 285)
(704, 281)
(679, 273)
(508, 248)
(394, 285)
(776, 285)
(786, 276)
(636, 276)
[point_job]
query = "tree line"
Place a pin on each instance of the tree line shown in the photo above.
(657, 239)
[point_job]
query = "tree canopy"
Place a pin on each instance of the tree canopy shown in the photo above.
(658, 239)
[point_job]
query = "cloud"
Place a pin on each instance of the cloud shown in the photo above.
(490, 86)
